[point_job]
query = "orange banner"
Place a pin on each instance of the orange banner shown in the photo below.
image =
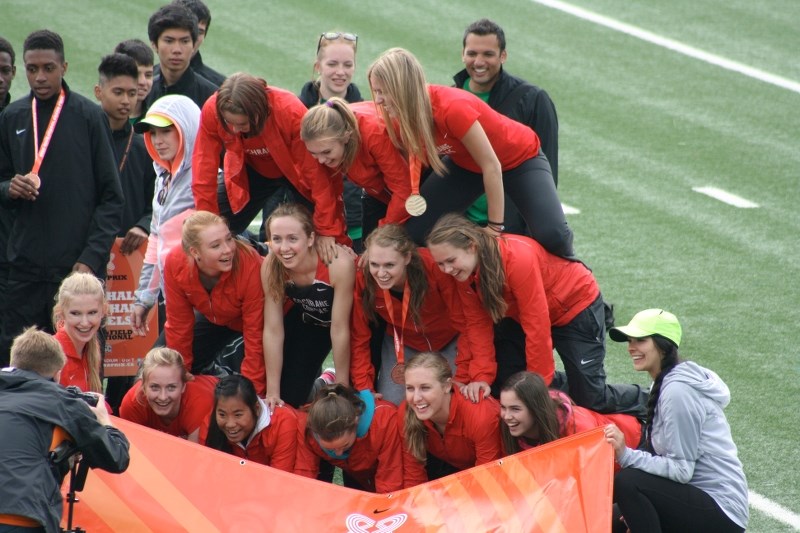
(124, 351)
(174, 485)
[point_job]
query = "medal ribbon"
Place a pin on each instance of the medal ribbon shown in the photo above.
(398, 339)
(48, 134)
(414, 171)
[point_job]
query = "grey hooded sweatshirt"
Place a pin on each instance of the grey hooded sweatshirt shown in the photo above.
(167, 221)
(692, 439)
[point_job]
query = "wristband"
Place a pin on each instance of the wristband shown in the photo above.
(497, 227)
(489, 222)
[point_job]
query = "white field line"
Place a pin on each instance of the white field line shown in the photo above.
(671, 44)
(569, 210)
(774, 510)
(725, 196)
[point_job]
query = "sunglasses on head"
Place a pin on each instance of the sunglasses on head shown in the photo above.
(333, 35)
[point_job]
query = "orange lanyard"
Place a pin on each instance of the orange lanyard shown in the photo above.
(414, 171)
(48, 134)
(415, 203)
(398, 339)
(125, 155)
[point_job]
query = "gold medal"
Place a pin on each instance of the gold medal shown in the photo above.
(37, 182)
(416, 205)
(399, 374)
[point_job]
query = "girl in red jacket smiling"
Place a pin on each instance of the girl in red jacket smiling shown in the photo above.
(164, 399)
(213, 293)
(241, 424)
(79, 310)
(258, 127)
(357, 433)
(443, 432)
(401, 285)
(483, 151)
(306, 310)
(555, 301)
(351, 140)
(533, 415)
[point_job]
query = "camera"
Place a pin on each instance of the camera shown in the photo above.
(91, 399)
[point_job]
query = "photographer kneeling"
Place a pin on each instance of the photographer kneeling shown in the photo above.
(32, 406)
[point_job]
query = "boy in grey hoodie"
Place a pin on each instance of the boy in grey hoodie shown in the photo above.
(688, 477)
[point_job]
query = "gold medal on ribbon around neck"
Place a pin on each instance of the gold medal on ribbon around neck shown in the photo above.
(399, 374)
(37, 181)
(416, 205)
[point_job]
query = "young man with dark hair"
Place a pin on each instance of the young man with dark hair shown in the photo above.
(143, 55)
(34, 411)
(8, 70)
(116, 91)
(203, 15)
(58, 174)
(173, 33)
(483, 53)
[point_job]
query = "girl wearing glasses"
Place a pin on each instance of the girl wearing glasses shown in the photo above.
(483, 151)
(170, 128)
(213, 295)
(351, 140)
(306, 310)
(258, 128)
(400, 287)
(356, 432)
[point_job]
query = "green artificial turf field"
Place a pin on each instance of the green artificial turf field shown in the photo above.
(641, 125)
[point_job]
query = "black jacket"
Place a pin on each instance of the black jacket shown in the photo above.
(533, 108)
(79, 209)
(138, 180)
(30, 408)
(309, 94)
(199, 68)
(204, 70)
(191, 85)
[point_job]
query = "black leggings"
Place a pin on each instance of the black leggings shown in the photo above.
(651, 504)
(529, 185)
(277, 190)
(305, 347)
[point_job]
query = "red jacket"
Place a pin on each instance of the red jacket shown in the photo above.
(280, 138)
(237, 302)
(76, 370)
(471, 437)
(379, 167)
(439, 317)
(375, 460)
(276, 443)
(542, 290)
(573, 419)
(197, 402)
